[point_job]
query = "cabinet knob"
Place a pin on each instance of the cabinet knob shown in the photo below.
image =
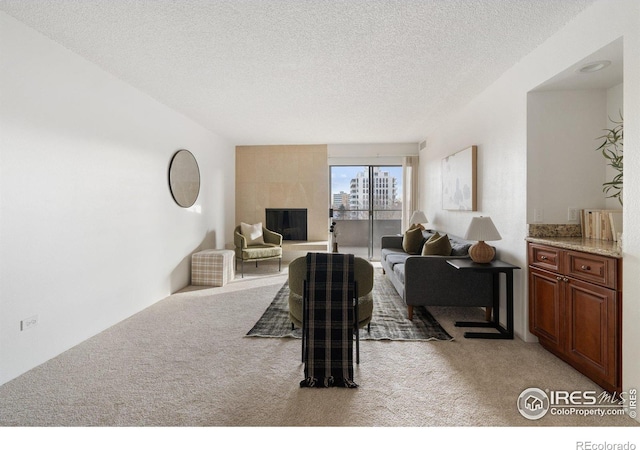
(543, 258)
(559, 278)
(565, 279)
(583, 267)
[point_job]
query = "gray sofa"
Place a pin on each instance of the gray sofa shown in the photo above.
(430, 281)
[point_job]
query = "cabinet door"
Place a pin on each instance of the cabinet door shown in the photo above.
(591, 329)
(545, 307)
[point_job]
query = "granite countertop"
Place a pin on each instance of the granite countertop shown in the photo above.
(596, 246)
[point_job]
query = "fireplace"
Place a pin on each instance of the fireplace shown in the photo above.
(291, 223)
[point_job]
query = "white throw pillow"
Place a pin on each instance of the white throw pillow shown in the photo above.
(253, 233)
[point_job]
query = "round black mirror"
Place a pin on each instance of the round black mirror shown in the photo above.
(184, 178)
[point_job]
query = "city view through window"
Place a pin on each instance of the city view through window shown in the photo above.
(367, 204)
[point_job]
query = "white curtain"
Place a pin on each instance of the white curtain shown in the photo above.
(410, 200)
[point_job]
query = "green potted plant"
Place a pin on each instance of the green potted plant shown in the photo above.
(611, 149)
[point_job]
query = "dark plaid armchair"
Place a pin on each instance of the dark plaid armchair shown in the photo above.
(364, 278)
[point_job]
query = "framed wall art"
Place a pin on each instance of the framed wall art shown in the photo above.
(459, 180)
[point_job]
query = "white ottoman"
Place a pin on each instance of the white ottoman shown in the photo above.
(212, 267)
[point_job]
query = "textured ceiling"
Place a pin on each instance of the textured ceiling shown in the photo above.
(303, 71)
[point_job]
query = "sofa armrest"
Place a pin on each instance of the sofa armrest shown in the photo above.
(271, 237)
(391, 241)
(430, 280)
(239, 240)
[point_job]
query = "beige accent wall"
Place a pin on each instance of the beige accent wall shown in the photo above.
(283, 176)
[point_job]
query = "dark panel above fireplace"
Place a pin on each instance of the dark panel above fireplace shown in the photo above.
(291, 223)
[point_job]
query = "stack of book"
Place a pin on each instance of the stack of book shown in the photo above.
(604, 224)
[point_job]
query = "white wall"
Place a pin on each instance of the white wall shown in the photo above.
(89, 232)
(370, 154)
(615, 106)
(496, 121)
(563, 168)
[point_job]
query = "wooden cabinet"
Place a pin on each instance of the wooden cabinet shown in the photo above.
(546, 299)
(575, 307)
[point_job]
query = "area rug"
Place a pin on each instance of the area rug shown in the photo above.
(389, 318)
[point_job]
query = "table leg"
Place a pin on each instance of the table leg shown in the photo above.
(509, 274)
(502, 332)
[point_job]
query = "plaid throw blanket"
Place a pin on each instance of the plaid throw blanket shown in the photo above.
(329, 316)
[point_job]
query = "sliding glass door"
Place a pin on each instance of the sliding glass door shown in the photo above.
(367, 204)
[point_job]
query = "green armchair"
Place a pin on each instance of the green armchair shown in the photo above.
(270, 249)
(363, 275)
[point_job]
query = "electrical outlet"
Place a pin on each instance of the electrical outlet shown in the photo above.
(572, 215)
(28, 323)
(538, 215)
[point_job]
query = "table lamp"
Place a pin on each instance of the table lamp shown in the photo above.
(418, 218)
(482, 229)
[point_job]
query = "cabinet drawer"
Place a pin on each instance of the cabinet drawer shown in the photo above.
(545, 257)
(593, 268)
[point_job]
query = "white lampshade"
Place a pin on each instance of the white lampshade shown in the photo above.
(482, 229)
(418, 217)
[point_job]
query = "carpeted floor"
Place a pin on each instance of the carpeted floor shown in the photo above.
(185, 362)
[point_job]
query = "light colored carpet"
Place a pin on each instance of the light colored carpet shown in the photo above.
(185, 361)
